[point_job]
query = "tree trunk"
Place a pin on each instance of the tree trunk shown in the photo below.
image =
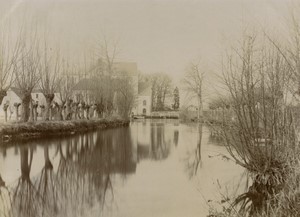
(68, 110)
(35, 113)
(5, 112)
(25, 107)
(2, 95)
(5, 108)
(47, 114)
(88, 112)
(60, 109)
(31, 117)
(17, 113)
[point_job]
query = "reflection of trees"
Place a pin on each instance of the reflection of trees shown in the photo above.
(26, 199)
(176, 137)
(46, 187)
(160, 149)
(4, 199)
(83, 178)
(86, 167)
(194, 158)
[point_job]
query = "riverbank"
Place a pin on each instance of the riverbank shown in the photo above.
(15, 131)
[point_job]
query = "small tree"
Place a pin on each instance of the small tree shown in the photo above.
(176, 98)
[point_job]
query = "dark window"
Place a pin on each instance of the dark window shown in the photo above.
(144, 111)
(37, 95)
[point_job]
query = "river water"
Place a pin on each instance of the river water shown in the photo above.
(159, 168)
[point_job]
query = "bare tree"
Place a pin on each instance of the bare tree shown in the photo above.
(50, 68)
(193, 82)
(125, 98)
(65, 90)
(9, 52)
(26, 71)
(263, 133)
(106, 54)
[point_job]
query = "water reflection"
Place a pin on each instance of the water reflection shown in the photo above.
(158, 146)
(193, 160)
(81, 179)
(85, 175)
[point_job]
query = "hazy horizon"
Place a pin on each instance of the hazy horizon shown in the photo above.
(161, 36)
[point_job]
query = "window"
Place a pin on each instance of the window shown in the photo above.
(144, 102)
(37, 95)
(144, 111)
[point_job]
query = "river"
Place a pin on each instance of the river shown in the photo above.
(159, 168)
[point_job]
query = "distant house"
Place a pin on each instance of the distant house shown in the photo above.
(143, 104)
(14, 96)
(84, 90)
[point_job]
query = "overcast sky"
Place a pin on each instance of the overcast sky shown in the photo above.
(160, 35)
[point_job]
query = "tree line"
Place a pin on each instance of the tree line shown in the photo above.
(29, 62)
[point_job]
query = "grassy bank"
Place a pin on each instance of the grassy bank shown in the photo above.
(16, 131)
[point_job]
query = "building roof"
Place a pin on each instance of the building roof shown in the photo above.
(84, 84)
(17, 91)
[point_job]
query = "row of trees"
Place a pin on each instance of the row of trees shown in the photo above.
(27, 62)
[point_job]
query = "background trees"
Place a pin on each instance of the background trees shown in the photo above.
(161, 88)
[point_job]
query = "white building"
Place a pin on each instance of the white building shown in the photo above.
(14, 96)
(143, 104)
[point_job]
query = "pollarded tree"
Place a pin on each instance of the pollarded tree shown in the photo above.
(26, 70)
(50, 67)
(65, 88)
(263, 138)
(9, 52)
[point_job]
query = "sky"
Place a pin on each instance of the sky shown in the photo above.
(160, 35)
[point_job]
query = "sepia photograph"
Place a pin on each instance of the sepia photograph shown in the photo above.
(149, 108)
